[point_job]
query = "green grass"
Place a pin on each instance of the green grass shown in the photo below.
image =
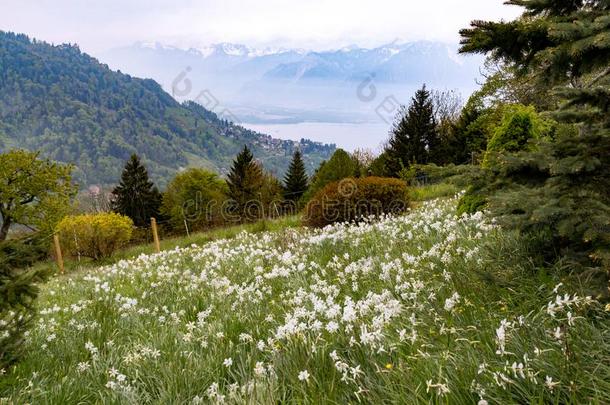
(432, 191)
(348, 314)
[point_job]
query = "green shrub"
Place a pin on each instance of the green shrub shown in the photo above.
(459, 175)
(471, 202)
(18, 291)
(94, 235)
(519, 125)
(411, 175)
(352, 199)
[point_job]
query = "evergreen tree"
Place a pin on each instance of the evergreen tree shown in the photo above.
(18, 291)
(557, 188)
(340, 166)
(471, 131)
(295, 181)
(560, 43)
(414, 137)
(244, 181)
(136, 196)
(379, 165)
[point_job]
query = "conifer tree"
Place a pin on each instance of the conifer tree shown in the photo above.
(18, 292)
(413, 135)
(295, 181)
(561, 43)
(244, 180)
(559, 188)
(136, 196)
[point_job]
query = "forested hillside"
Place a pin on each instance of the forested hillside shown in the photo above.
(74, 109)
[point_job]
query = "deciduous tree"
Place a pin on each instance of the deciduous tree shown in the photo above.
(33, 192)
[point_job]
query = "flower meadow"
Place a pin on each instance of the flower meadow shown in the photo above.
(426, 307)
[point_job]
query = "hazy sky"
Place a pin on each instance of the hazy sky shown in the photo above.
(315, 24)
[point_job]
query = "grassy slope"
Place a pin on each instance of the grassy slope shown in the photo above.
(368, 320)
(74, 265)
(417, 196)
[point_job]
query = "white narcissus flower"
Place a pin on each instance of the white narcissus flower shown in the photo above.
(304, 376)
(549, 383)
(259, 369)
(83, 366)
(452, 301)
(307, 296)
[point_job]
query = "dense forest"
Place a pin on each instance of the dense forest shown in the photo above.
(74, 109)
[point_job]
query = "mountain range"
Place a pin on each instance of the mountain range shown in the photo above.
(277, 84)
(74, 109)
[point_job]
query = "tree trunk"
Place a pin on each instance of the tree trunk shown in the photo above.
(6, 224)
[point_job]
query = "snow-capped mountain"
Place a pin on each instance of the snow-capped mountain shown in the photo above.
(413, 62)
(278, 78)
(409, 63)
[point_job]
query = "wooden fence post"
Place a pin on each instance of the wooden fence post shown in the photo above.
(153, 223)
(58, 257)
(186, 226)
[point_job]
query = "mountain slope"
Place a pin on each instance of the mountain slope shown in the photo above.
(74, 109)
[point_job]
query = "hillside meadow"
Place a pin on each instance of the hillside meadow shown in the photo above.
(427, 307)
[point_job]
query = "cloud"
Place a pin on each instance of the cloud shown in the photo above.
(99, 25)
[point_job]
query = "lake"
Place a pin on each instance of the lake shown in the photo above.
(348, 136)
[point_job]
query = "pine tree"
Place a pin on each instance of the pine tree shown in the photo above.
(244, 181)
(558, 188)
(295, 181)
(136, 196)
(414, 136)
(18, 292)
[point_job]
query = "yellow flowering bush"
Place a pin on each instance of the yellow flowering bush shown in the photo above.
(94, 235)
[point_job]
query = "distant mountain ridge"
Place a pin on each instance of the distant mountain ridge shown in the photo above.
(392, 63)
(324, 81)
(226, 48)
(74, 109)
(348, 63)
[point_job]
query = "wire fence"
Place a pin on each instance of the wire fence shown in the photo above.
(25, 251)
